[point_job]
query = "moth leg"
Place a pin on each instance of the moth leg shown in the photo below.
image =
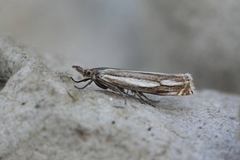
(125, 91)
(84, 86)
(135, 96)
(141, 98)
(121, 89)
(147, 97)
(83, 80)
(114, 88)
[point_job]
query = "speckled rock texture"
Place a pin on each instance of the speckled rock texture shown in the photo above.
(42, 116)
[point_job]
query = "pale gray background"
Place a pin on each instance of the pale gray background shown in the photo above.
(201, 37)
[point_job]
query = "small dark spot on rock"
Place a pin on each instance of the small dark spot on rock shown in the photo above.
(216, 136)
(37, 106)
(113, 122)
(44, 128)
(81, 133)
(149, 129)
(121, 107)
(23, 103)
(232, 118)
(199, 127)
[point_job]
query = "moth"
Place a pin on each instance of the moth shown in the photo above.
(138, 82)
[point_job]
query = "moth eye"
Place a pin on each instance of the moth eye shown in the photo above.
(88, 72)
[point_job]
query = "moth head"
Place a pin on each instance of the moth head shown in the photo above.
(84, 72)
(88, 73)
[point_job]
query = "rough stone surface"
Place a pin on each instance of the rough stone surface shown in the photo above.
(42, 116)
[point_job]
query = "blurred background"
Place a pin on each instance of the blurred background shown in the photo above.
(201, 37)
